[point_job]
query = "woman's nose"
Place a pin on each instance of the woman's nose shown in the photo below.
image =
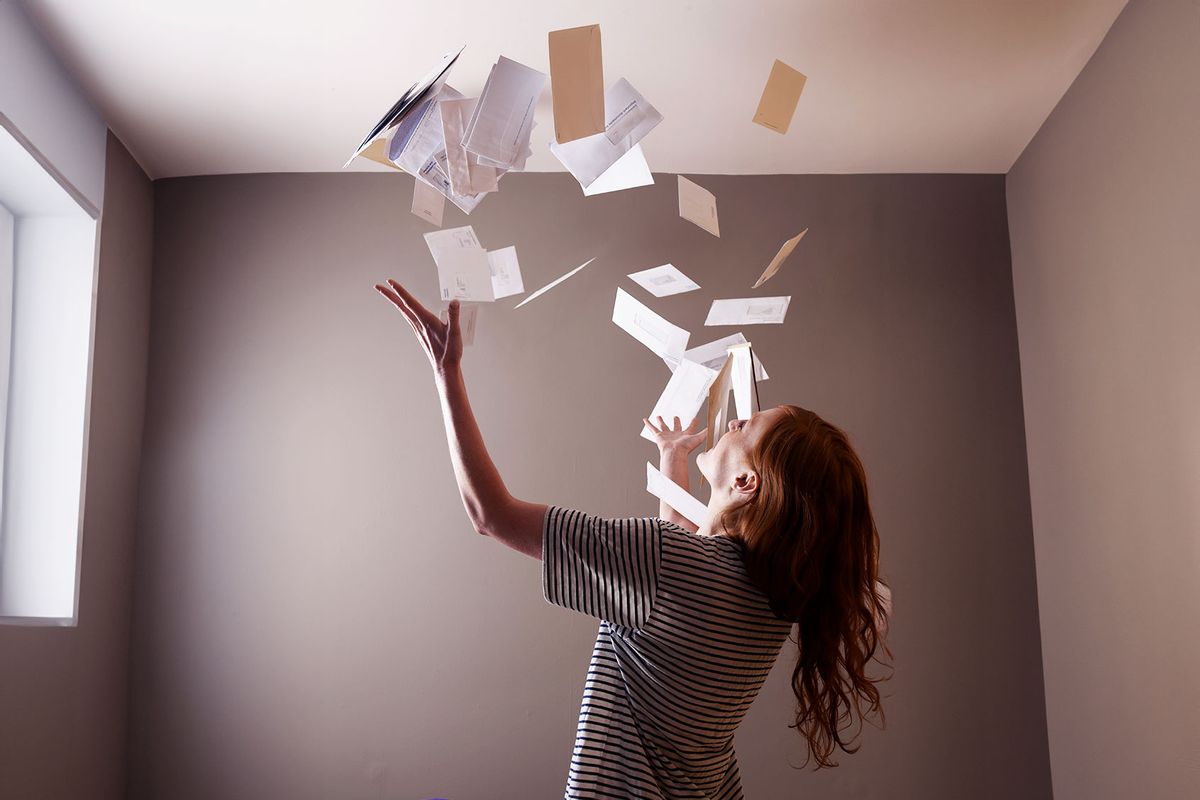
(734, 424)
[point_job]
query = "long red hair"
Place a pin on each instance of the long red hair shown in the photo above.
(811, 546)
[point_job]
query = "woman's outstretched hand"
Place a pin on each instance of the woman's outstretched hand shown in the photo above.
(441, 341)
(676, 440)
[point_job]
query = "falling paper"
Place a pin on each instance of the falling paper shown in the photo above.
(675, 496)
(577, 82)
(464, 274)
(747, 311)
(785, 250)
(628, 118)
(779, 98)
(428, 203)
(683, 396)
(698, 205)
(417, 94)
(718, 404)
(664, 281)
(745, 392)
(553, 283)
(377, 151)
(503, 118)
(665, 340)
(713, 354)
(434, 173)
(412, 149)
(442, 242)
(466, 178)
(630, 171)
(468, 316)
(506, 272)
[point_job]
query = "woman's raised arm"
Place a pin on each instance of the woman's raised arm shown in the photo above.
(492, 510)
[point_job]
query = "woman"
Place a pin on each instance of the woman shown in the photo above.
(691, 621)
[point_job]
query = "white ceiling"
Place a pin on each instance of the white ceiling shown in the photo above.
(893, 85)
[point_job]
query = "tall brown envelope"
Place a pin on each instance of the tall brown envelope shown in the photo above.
(576, 83)
(779, 98)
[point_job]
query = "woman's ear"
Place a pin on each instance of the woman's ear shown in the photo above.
(745, 485)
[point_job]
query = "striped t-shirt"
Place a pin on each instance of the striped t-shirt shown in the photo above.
(685, 643)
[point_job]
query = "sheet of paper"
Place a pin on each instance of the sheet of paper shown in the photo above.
(628, 118)
(675, 496)
(517, 165)
(553, 283)
(748, 311)
(426, 140)
(416, 94)
(464, 274)
(785, 250)
(500, 126)
(506, 272)
(665, 340)
(630, 172)
(685, 393)
(468, 317)
(698, 205)
(466, 178)
(428, 203)
(664, 281)
(712, 355)
(434, 173)
(577, 82)
(718, 404)
(779, 98)
(745, 391)
(443, 241)
(377, 151)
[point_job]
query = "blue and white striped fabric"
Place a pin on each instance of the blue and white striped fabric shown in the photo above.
(685, 643)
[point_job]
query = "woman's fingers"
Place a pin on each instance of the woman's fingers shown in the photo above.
(399, 303)
(678, 425)
(422, 313)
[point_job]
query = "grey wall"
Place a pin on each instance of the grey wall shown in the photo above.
(314, 616)
(64, 690)
(1106, 269)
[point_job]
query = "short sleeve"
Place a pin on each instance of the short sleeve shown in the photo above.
(605, 568)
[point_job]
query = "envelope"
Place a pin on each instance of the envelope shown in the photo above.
(577, 83)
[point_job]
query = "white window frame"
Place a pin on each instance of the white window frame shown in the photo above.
(41, 539)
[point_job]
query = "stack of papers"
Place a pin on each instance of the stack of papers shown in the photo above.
(501, 123)
(417, 97)
(460, 147)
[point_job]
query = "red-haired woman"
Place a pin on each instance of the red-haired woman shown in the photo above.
(691, 621)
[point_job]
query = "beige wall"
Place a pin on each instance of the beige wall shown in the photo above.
(1104, 209)
(315, 617)
(64, 691)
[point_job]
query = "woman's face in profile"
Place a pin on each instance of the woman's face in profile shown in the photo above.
(731, 453)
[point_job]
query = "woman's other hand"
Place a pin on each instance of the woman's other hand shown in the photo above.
(676, 440)
(441, 341)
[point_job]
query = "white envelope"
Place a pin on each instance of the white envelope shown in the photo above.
(748, 311)
(665, 340)
(664, 281)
